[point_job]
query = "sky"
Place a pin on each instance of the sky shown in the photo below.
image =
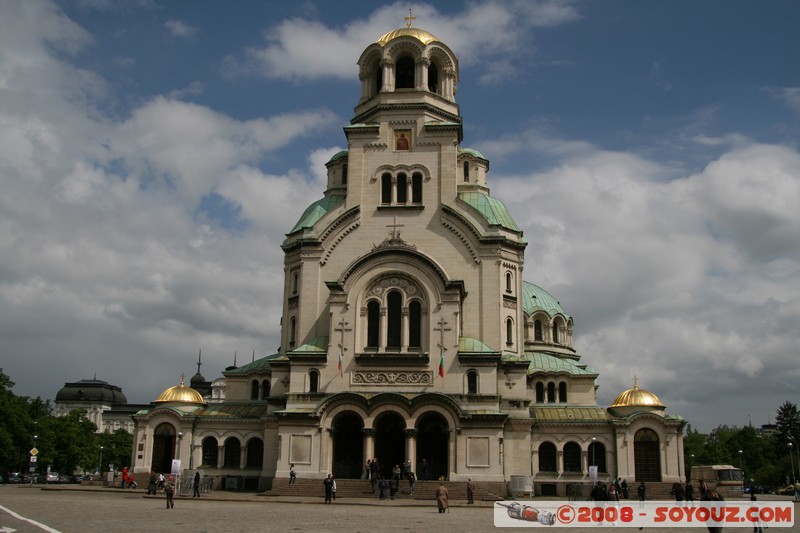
(153, 155)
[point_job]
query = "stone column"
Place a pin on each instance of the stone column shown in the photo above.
(388, 75)
(394, 189)
(369, 443)
(404, 328)
(329, 450)
(411, 447)
(220, 455)
(384, 327)
(242, 457)
(425, 63)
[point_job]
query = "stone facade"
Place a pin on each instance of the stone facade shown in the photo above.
(408, 332)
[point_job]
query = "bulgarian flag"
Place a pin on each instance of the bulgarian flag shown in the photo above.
(341, 373)
(441, 365)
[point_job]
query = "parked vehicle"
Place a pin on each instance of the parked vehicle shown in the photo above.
(13, 477)
(727, 480)
(786, 491)
(51, 477)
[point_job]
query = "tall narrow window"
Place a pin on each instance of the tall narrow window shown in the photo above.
(210, 452)
(472, 382)
(415, 325)
(373, 324)
(555, 333)
(295, 280)
(254, 390)
(292, 332)
(344, 174)
(509, 332)
(551, 393)
(508, 282)
(402, 189)
(404, 78)
(547, 457)
(416, 188)
(572, 457)
(378, 78)
(394, 303)
(537, 330)
(539, 392)
(562, 392)
(433, 79)
(232, 453)
(466, 171)
(386, 188)
(313, 381)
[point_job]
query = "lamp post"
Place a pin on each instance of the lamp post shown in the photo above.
(594, 441)
(33, 465)
(741, 463)
(691, 463)
(100, 466)
(791, 462)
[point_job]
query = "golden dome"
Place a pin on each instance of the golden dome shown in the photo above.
(420, 35)
(180, 394)
(637, 397)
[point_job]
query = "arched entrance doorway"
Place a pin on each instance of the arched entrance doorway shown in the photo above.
(433, 440)
(348, 446)
(390, 442)
(647, 455)
(163, 448)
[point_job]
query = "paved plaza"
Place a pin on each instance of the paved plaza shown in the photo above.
(100, 511)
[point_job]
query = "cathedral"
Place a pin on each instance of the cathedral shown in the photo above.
(408, 331)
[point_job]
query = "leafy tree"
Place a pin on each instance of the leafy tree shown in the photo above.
(788, 422)
(117, 448)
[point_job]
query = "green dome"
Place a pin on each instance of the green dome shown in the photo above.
(535, 298)
(493, 210)
(316, 211)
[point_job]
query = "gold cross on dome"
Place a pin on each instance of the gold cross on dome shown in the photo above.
(635, 381)
(409, 19)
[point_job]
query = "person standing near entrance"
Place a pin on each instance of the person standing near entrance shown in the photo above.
(196, 485)
(470, 491)
(425, 470)
(412, 479)
(328, 483)
(292, 474)
(169, 490)
(441, 497)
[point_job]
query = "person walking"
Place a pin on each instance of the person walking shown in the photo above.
(393, 485)
(328, 483)
(470, 491)
(441, 497)
(196, 485)
(292, 474)
(169, 490)
(412, 479)
(689, 492)
(333, 488)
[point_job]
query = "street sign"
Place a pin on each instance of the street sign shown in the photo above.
(33, 458)
(34, 451)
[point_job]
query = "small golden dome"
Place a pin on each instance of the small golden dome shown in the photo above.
(637, 397)
(180, 394)
(420, 35)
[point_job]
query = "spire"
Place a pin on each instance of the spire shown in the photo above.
(254, 355)
(199, 357)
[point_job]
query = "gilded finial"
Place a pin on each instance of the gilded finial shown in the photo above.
(182, 378)
(409, 19)
(635, 382)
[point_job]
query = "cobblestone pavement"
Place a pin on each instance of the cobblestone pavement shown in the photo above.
(102, 511)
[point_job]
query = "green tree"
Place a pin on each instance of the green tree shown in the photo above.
(117, 448)
(18, 424)
(788, 421)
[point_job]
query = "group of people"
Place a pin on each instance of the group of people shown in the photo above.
(127, 479)
(615, 491)
(391, 485)
(330, 488)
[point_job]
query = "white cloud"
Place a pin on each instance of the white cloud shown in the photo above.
(303, 49)
(180, 29)
(788, 95)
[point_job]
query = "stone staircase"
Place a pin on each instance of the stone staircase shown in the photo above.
(360, 488)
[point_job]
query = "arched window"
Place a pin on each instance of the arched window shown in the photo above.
(555, 332)
(509, 282)
(313, 380)
(466, 171)
(547, 457)
(404, 77)
(572, 457)
(394, 302)
(551, 393)
(537, 330)
(472, 382)
(509, 332)
(540, 392)
(254, 390)
(265, 389)
(232, 453)
(416, 188)
(378, 78)
(386, 188)
(562, 392)
(292, 332)
(402, 189)
(344, 174)
(255, 453)
(373, 324)
(433, 78)
(597, 456)
(415, 325)
(210, 452)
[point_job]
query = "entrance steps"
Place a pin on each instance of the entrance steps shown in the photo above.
(361, 488)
